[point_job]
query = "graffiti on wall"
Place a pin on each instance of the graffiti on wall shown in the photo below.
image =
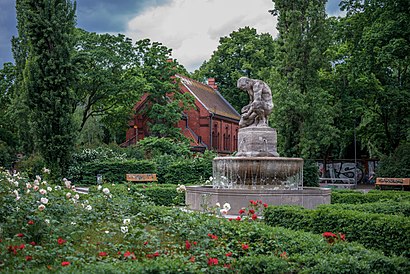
(348, 169)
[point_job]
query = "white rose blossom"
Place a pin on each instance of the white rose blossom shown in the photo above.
(126, 221)
(99, 187)
(227, 206)
(106, 191)
(68, 195)
(49, 189)
(35, 188)
(43, 191)
(28, 185)
(76, 196)
(124, 229)
(41, 207)
(44, 200)
(88, 207)
(218, 204)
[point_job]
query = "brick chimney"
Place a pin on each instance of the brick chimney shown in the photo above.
(211, 83)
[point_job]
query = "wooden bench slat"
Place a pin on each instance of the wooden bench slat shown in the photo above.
(141, 177)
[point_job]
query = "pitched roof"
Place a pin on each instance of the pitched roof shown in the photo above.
(210, 98)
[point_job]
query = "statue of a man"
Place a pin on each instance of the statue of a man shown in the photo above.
(260, 103)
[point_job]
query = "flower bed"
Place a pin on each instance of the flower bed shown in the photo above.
(49, 227)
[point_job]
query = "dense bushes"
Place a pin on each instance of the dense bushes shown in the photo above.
(396, 165)
(355, 197)
(114, 171)
(379, 231)
(161, 195)
(388, 207)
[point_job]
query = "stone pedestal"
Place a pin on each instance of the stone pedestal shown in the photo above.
(257, 142)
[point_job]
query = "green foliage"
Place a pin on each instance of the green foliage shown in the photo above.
(242, 53)
(31, 165)
(303, 113)
(310, 174)
(161, 195)
(44, 77)
(110, 81)
(376, 231)
(189, 171)
(384, 207)
(396, 165)
(114, 171)
(355, 197)
(154, 147)
(165, 103)
(375, 38)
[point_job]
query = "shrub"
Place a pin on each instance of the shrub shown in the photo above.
(388, 207)
(310, 174)
(114, 171)
(380, 231)
(355, 197)
(160, 195)
(154, 147)
(396, 165)
(32, 165)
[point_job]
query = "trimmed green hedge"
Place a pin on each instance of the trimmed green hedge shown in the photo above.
(114, 171)
(388, 207)
(356, 197)
(388, 233)
(160, 195)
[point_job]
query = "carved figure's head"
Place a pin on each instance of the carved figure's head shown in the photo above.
(244, 83)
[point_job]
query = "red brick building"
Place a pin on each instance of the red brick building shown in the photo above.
(211, 124)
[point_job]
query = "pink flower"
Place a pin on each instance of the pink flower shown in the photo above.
(212, 261)
(65, 263)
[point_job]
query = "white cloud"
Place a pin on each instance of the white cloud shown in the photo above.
(192, 28)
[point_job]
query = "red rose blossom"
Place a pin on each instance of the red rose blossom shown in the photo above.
(65, 263)
(245, 246)
(61, 241)
(187, 245)
(103, 254)
(328, 234)
(238, 218)
(31, 222)
(251, 211)
(20, 235)
(254, 216)
(29, 258)
(229, 254)
(241, 211)
(212, 261)
(265, 205)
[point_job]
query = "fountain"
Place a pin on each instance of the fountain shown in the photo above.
(256, 172)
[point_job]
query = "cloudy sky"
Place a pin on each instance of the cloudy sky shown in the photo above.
(191, 28)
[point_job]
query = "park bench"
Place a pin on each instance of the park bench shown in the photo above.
(141, 177)
(82, 190)
(337, 182)
(395, 183)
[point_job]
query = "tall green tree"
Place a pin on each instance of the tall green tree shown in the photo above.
(165, 102)
(7, 131)
(377, 36)
(243, 53)
(109, 80)
(304, 109)
(46, 43)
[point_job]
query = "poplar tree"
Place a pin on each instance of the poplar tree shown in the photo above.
(303, 113)
(44, 51)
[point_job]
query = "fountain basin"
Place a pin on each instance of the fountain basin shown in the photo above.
(199, 197)
(258, 172)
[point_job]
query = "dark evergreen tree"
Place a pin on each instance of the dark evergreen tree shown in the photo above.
(43, 53)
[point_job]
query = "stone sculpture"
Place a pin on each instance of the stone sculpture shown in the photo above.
(255, 137)
(260, 102)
